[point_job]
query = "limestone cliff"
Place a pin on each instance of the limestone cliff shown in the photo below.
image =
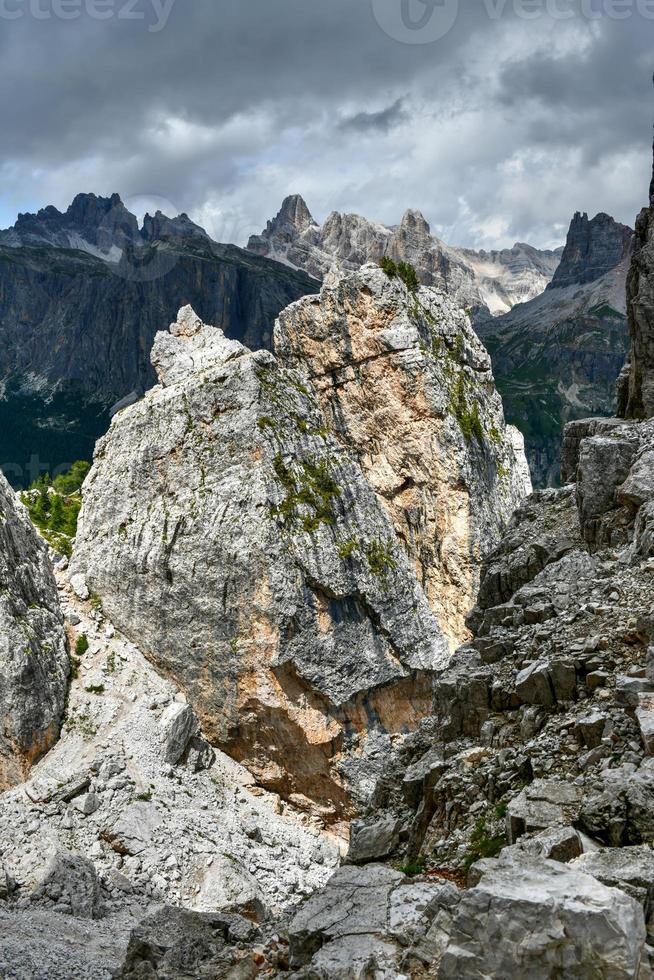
(406, 384)
(636, 390)
(593, 248)
(33, 658)
(227, 529)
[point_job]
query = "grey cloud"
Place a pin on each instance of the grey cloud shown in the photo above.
(493, 133)
(380, 121)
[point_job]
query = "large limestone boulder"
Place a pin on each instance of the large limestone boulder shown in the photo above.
(406, 384)
(612, 461)
(176, 943)
(362, 922)
(533, 919)
(231, 535)
(63, 880)
(33, 659)
(628, 868)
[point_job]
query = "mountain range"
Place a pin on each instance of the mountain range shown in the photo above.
(486, 282)
(85, 290)
(83, 293)
(553, 321)
(318, 688)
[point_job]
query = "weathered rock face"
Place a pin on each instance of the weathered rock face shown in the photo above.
(406, 385)
(98, 225)
(33, 658)
(488, 281)
(363, 921)
(175, 943)
(612, 461)
(636, 392)
(228, 529)
(541, 741)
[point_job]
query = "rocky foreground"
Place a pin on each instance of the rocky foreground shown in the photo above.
(272, 566)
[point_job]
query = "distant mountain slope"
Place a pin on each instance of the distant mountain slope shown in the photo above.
(487, 282)
(83, 294)
(557, 357)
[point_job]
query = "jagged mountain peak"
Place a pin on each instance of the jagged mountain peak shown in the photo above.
(160, 227)
(486, 281)
(594, 247)
(557, 356)
(294, 212)
(89, 203)
(101, 226)
(416, 221)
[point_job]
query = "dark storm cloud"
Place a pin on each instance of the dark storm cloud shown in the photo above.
(499, 130)
(382, 121)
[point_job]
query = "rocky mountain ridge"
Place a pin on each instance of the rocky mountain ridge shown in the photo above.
(593, 249)
(83, 296)
(487, 282)
(100, 226)
(557, 357)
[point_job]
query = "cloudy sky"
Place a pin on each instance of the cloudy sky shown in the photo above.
(497, 118)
